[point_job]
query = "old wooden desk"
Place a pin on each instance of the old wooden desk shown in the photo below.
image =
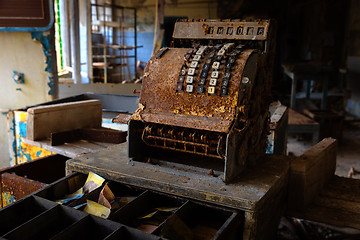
(260, 191)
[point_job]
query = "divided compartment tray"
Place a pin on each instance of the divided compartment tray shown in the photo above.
(21, 212)
(64, 186)
(146, 204)
(39, 217)
(118, 189)
(192, 218)
(129, 233)
(46, 224)
(89, 227)
(23, 179)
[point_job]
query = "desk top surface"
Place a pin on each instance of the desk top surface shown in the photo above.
(296, 118)
(253, 187)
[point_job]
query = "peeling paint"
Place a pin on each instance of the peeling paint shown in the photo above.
(107, 123)
(11, 137)
(270, 142)
(25, 152)
(38, 153)
(7, 198)
(45, 41)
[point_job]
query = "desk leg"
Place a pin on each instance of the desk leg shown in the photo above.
(308, 89)
(293, 92)
(316, 135)
(264, 222)
(324, 94)
(249, 226)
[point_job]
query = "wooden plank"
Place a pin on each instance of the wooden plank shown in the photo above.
(338, 204)
(322, 153)
(310, 172)
(343, 188)
(90, 134)
(70, 150)
(335, 217)
(104, 135)
(59, 138)
(63, 117)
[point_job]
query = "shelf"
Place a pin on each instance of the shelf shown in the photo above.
(115, 32)
(113, 24)
(318, 95)
(112, 56)
(99, 45)
(101, 65)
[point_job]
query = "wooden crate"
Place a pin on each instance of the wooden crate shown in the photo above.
(310, 173)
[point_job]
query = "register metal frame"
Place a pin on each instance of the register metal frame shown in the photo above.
(204, 103)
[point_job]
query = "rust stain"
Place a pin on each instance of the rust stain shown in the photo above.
(16, 187)
(205, 28)
(137, 114)
(203, 111)
(198, 29)
(178, 115)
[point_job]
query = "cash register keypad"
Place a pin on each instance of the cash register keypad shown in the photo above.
(207, 70)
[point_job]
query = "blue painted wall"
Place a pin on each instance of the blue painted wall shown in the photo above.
(145, 39)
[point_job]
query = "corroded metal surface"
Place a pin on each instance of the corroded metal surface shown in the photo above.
(221, 29)
(193, 141)
(15, 187)
(162, 104)
(34, 170)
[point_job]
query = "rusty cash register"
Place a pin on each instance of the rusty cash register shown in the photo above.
(204, 102)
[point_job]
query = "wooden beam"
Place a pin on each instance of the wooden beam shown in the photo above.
(87, 8)
(75, 40)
